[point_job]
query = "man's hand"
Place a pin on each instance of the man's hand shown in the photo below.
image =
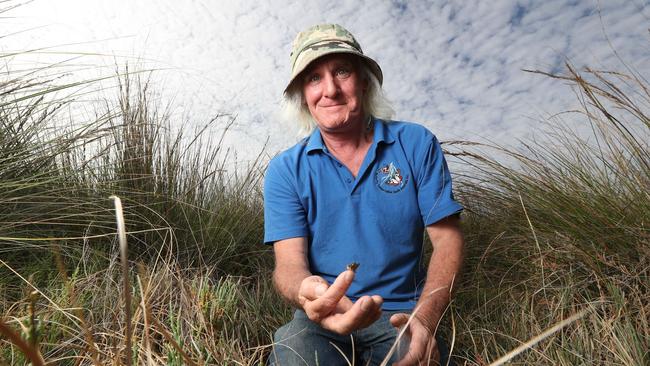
(328, 306)
(423, 349)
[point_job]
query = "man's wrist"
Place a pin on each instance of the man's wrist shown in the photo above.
(428, 323)
(428, 313)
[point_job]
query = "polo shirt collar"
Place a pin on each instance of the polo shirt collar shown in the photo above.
(381, 134)
(315, 142)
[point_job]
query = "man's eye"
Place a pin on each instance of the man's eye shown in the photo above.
(313, 78)
(343, 72)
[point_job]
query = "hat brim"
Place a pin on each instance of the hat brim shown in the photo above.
(321, 49)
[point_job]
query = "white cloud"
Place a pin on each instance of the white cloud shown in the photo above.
(453, 66)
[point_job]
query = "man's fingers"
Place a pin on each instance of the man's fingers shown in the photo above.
(369, 311)
(363, 313)
(336, 291)
(373, 306)
(328, 305)
(375, 312)
(416, 353)
(319, 300)
(344, 304)
(433, 354)
(372, 303)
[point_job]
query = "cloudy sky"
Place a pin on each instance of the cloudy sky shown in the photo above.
(454, 66)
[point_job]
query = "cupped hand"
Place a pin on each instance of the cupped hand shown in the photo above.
(328, 306)
(423, 349)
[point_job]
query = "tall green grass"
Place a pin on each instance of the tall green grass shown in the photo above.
(199, 277)
(175, 186)
(565, 230)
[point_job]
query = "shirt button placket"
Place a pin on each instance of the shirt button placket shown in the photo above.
(344, 173)
(347, 178)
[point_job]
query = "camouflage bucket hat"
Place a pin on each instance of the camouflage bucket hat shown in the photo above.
(324, 39)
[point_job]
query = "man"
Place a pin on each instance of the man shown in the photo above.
(359, 189)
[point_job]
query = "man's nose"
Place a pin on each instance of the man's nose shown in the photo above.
(331, 87)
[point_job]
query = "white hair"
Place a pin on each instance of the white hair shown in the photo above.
(375, 103)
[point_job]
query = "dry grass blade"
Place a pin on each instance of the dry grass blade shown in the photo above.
(121, 231)
(350, 363)
(98, 236)
(92, 347)
(533, 341)
(147, 337)
(28, 350)
(54, 304)
(169, 338)
(539, 249)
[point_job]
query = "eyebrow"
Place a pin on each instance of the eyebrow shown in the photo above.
(336, 65)
(344, 63)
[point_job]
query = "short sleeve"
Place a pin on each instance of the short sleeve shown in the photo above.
(284, 215)
(435, 196)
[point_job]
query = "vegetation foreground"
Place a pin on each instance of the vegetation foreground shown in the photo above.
(557, 259)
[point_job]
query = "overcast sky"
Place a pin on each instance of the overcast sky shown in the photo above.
(454, 66)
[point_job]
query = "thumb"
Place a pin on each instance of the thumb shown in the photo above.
(320, 289)
(311, 288)
(399, 320)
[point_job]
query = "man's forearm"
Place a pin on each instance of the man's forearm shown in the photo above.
(291, 268)
(444, 268)
(287, 282)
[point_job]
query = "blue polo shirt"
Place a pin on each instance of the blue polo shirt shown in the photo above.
(376, 218)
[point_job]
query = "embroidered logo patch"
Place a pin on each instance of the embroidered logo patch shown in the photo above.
(389, 178)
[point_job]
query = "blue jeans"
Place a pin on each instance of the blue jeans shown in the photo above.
(303, 342)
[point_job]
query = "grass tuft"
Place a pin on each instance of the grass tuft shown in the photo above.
(560, 227)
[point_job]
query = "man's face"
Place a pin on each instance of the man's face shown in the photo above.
(333, 91)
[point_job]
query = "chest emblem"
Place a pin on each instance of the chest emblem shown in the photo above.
(389, 178)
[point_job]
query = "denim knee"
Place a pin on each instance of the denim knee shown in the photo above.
(303, 342)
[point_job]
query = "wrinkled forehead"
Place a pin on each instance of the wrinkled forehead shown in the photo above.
(335, 58)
